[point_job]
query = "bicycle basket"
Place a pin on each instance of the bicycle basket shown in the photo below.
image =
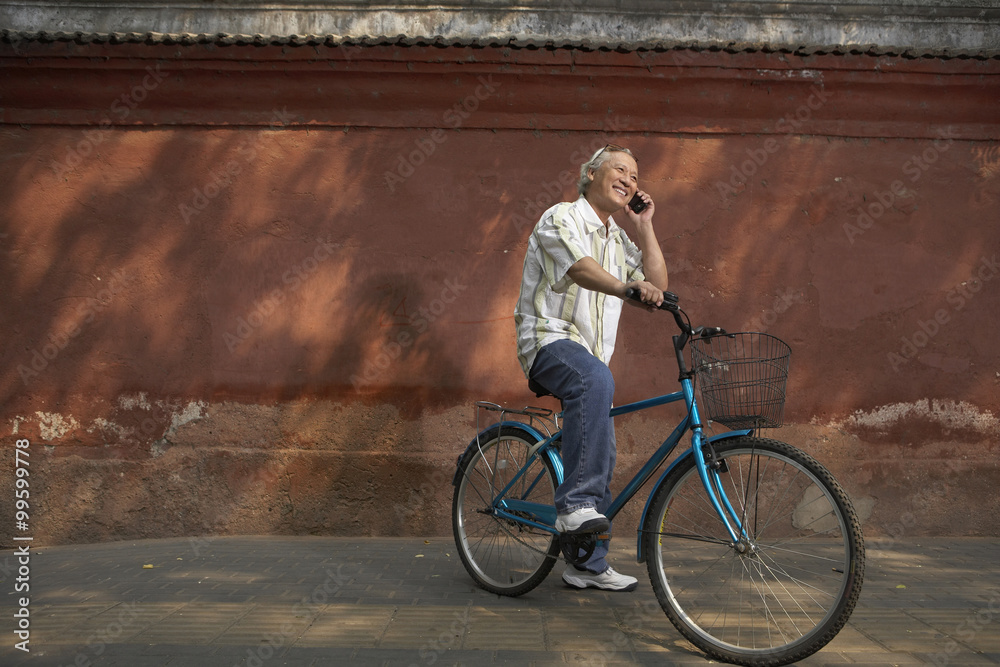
(742, 378)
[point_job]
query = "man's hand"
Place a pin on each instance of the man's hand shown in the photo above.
(650, 294)
(644, 218)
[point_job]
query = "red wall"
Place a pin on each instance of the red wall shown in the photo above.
(268, 284)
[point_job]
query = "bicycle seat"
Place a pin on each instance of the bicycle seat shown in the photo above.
(538, 389)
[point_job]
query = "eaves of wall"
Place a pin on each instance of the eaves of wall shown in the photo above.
(921, 29)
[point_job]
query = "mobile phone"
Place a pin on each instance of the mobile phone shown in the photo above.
(637, 204)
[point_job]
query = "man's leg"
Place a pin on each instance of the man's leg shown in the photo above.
(597, 562)
(584, 385)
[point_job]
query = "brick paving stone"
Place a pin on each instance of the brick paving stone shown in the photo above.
(380, 657)
(590, 630)
(54, 655)
(826, 657)
(53, 619)
(194, 623)
(960, 659)
(428, 628)
(343, 625)
(514, 657)
(183, 650)
(502, 629)
(851, 639)
(224, 660)
(672, 658)
(315, 657)
(888, 660)
(119, 624)
(267, 625)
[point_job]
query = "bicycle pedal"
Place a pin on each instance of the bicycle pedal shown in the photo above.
(577, 548)
(590, 527)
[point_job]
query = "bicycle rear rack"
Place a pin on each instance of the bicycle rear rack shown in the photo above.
(537, 418)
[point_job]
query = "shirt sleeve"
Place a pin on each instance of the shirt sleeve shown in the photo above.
(562, 245)
(633, 260)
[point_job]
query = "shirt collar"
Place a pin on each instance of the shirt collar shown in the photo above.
(592, 221)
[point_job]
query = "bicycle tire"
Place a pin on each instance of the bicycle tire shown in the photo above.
(502, 555)
(799, 579)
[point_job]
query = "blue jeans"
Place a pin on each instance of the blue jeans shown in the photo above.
(584, 385)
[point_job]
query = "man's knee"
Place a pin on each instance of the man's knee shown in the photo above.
(601, 382)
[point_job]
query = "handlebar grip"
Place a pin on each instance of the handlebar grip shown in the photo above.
(669, 298)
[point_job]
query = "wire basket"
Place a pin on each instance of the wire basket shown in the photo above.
(742, 378)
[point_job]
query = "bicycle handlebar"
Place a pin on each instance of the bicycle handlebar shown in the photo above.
(670, 304)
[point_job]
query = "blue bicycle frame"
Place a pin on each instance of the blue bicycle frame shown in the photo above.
(516, 510)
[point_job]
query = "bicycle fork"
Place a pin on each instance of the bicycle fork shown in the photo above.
(708, 472)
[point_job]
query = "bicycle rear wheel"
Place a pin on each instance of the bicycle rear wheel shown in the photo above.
(502, 555)
(789, 587)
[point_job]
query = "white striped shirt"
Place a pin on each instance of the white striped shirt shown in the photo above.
(551, 306)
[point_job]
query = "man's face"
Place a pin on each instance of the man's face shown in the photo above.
(614, 182)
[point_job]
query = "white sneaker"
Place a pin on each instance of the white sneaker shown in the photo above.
(584, 520)
(609, 580)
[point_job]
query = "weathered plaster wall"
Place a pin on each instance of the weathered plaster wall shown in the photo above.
(264, 294)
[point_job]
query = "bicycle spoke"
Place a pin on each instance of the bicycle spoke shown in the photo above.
(781, 589)
(502, 554)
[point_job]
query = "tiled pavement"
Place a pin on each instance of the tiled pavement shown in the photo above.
(268, 601)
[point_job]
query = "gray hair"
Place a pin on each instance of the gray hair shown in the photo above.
(595, 162)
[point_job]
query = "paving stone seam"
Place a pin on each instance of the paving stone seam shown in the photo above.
(949, 635)
(385, 628)
(869, 637)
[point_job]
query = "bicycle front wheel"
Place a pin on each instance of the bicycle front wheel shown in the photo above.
(504, 555)
(790, 584)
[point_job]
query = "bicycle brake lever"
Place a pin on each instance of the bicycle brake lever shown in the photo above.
(706, 332)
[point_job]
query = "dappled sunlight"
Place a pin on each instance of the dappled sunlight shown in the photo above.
(327, 263)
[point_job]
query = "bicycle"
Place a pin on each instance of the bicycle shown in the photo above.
(753, 549)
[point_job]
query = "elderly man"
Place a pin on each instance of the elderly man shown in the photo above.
(566, 329)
